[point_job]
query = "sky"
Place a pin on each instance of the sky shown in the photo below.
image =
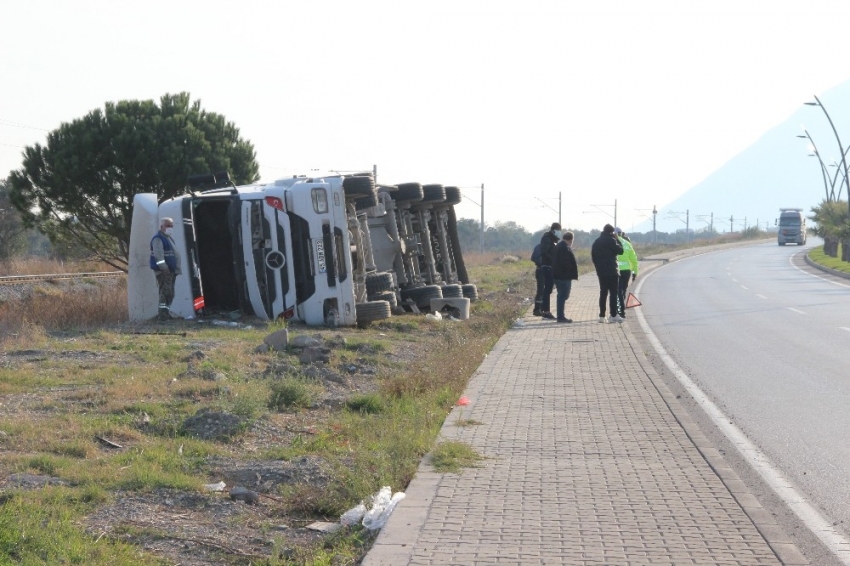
(569, 105)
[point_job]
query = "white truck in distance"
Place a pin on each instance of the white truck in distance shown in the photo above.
(300, 248)
(792, 227)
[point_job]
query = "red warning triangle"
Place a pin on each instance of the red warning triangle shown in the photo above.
(632, 301)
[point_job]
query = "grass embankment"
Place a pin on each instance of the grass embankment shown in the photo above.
(72, 376)
(817, 256)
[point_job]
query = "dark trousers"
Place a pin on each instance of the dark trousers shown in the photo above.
(609, 286)
(563, 286)
(623, 290)
(538, 297)
(165, 283)
(548, 284)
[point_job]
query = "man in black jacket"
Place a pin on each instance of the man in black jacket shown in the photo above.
(565, 271)
(604, 254)
(547, 255)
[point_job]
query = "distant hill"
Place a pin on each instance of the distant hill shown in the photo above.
(774, 172)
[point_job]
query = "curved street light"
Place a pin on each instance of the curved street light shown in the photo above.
(816, 153)
(817, 102)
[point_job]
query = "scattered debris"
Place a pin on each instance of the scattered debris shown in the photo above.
(241, 494)
(215, 486)
(324, 527)
(108, 443)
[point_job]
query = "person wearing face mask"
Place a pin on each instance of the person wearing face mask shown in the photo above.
(547, 257)
(165, 261)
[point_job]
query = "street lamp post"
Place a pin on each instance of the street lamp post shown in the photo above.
(816, 153)
(817, 102)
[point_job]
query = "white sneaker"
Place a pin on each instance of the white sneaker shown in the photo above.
(616, 319)
(601, 319)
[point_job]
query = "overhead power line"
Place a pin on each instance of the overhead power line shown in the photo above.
(5, 122)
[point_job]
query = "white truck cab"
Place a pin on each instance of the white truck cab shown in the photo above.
(791, 227)
(278, 250)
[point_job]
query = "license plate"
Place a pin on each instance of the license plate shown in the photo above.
(320, 256)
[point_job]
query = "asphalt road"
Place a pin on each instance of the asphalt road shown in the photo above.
(767, 339)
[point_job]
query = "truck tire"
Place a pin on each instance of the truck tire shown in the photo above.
(364, 202)
(470, 292)
(422, 296)
(378, 282)
(372, 311)
(358, 185)
(433, 194)
(387, 296)
(408, 192)
(452, 291)
(453, 196)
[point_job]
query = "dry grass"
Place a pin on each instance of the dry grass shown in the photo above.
(75, 306)
(43, 266)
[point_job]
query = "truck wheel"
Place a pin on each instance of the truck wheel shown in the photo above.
(408, 191)
(433, 193)
(452, 291)
(387, 296)
(372, 311)
(378, 282)
(470, 292)
(359, 185)
(364, 202)
(422, 295)
(453, 196)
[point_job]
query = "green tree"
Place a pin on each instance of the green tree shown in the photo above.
(833, 225)
(13, 240)
(78, 189)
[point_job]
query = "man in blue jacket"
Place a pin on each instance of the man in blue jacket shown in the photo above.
(604, 252)
(165, 261)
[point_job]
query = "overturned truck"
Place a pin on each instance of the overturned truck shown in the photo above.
(333, 250)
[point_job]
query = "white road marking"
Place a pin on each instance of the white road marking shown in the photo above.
(734, 280)
(760, 296)
(815, 275)
(796, 501)
(796, 310)
(844, 328)
(744, 287)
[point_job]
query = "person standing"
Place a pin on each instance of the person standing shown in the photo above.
(628, 263)
(165, 261)
(604, 252)
(564, 272)
(538, 278)
(547, 255)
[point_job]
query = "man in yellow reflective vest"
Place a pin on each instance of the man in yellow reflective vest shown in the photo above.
(628, 268)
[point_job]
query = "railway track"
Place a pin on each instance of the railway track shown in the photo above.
(24, 279)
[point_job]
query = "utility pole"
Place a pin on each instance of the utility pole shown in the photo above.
(615, 212)
(731, 224)
(687, 225)
(654, 231)
(559, 210)
(375, 174)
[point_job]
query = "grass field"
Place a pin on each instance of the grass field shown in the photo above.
(94, 427)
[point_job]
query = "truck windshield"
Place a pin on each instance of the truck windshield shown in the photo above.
(789, 221)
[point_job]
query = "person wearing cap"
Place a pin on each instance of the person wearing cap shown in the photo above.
(604, 252)
(628, 264)
(547, 256)
(165, 261)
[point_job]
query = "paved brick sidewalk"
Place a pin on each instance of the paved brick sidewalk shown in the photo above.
(591, 460)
